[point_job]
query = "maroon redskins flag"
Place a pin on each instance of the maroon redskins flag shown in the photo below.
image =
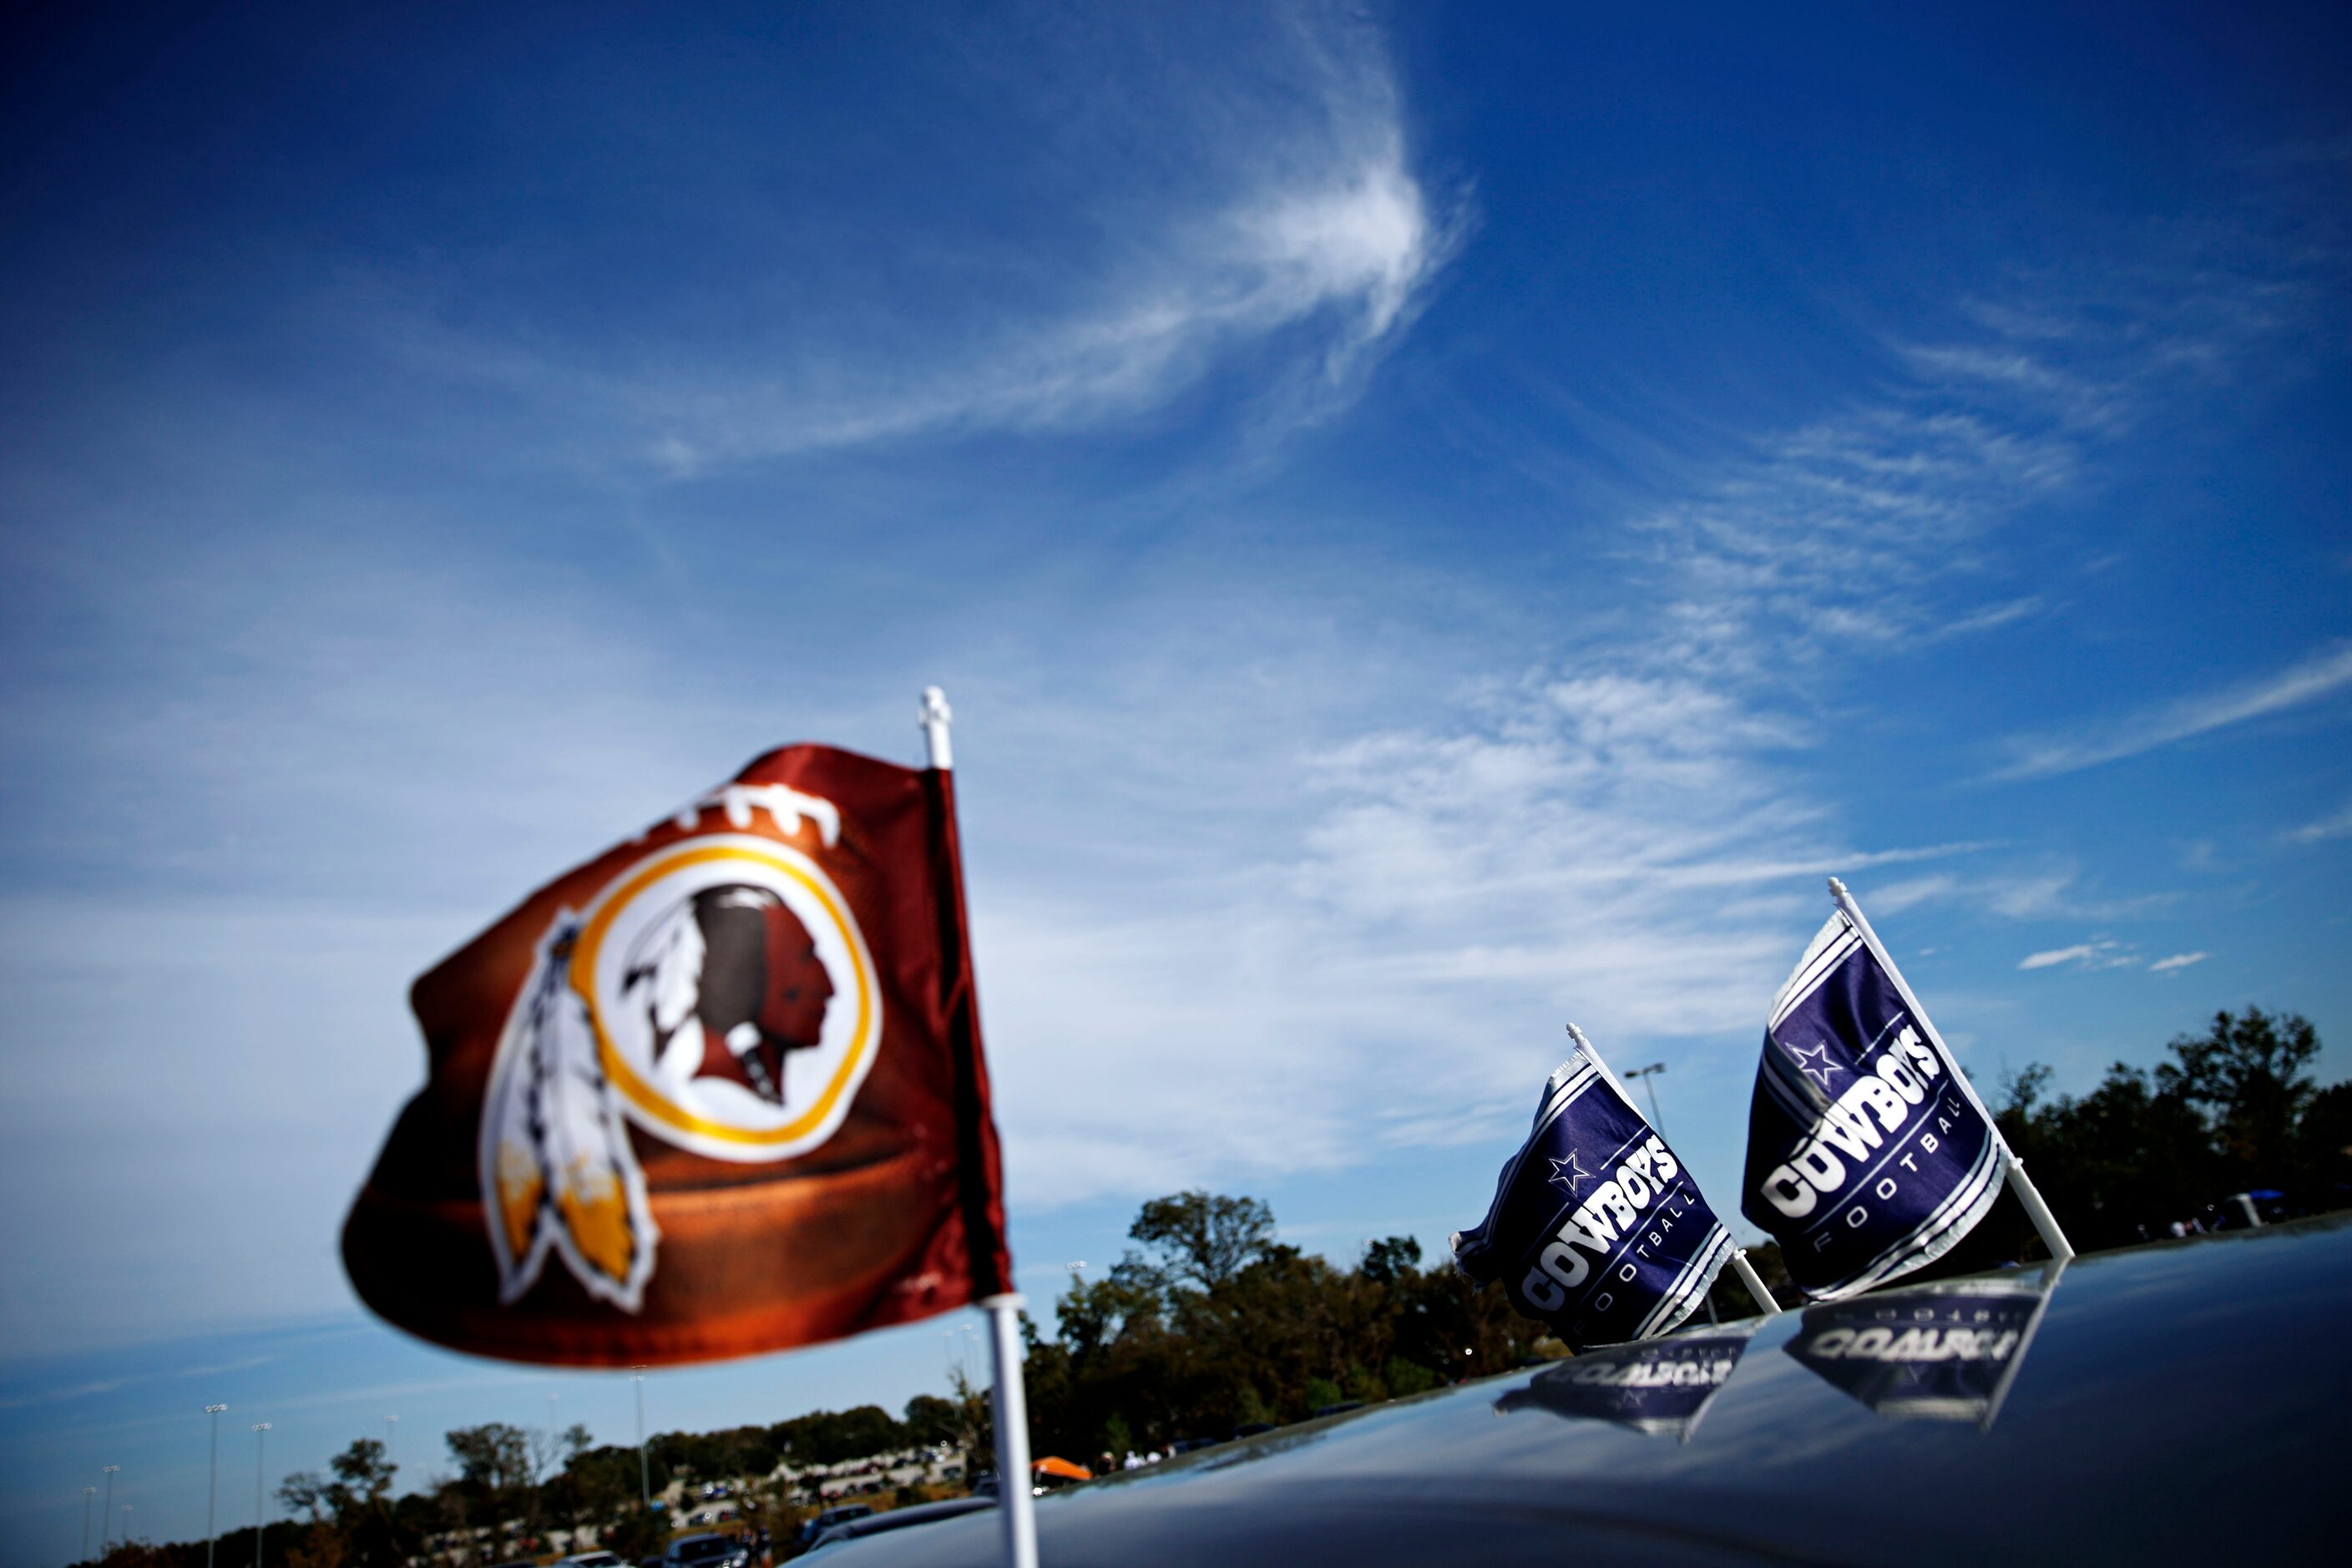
(717, 1092)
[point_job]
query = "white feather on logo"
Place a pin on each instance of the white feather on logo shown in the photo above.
(557, 1169)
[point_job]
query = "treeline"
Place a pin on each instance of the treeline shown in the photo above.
(2233, 1108)
(2235, 1111)
(821, 1437)
(508, 1489)
(1212, 1325)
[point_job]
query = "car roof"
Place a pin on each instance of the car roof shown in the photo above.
(2171, 1402)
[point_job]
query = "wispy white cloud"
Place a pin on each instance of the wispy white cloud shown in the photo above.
(1631, 852)
(1300, 228)
(2338, 826)
(2017, 893)
(2178, 961)
(2312, 679)
(1881, 522)
(2099, 953)
(1994, 616)
(1852, 531)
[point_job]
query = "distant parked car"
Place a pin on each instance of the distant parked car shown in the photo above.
(707, 1552)
(831, 1517)
(589, 1560)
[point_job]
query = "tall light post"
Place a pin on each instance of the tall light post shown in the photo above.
(536, 1478)
(1651, 1072)
(212, 1484)
(106, 1516)
(88, 1496)
(391, 1437)
(260, 1512)
(644, 1482)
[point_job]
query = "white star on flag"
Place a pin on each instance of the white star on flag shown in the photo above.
(1569, 1175)
(1817, 1062)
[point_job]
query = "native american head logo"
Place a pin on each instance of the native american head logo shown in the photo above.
(716, 995)
(728, 981)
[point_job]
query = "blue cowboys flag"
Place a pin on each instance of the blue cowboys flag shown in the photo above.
(1867, 1156)
(1596, 1228)
(1661, 1385)
(1946, 1352)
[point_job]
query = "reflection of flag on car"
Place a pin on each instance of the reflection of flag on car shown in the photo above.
(1661, 1385)
(1868, 1153)
(1944, 1352)
(1596, 1230)
(719, 1091)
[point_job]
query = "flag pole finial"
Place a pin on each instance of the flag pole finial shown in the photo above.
(1578, 1036)
(932, 718)
(1837, 888)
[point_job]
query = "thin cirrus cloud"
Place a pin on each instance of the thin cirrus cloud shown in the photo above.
(2312, 679)
(1350, 252)
(2100, 952)
(1876, 523)
(1295, 226)
(2338, 826)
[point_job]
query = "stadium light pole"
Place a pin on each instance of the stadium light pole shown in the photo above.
(391, 1438)
(261, 1510)
(212, 1486)
(1651, 1072)
(88, 1496)
(106, 1516)
(645, 1480)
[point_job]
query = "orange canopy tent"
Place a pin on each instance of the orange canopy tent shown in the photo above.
(1061, 1470)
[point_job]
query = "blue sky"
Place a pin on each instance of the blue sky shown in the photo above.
(1436, 521)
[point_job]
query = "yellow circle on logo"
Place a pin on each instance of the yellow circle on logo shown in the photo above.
(725, 1140)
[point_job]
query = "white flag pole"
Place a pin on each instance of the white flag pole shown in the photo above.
(1754, 1282)
(1587, 1046)
(1739, 1254)
(1015, 1503)
(2019, 1183)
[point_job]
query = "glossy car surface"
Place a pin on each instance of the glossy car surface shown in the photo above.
(2182, 1402)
